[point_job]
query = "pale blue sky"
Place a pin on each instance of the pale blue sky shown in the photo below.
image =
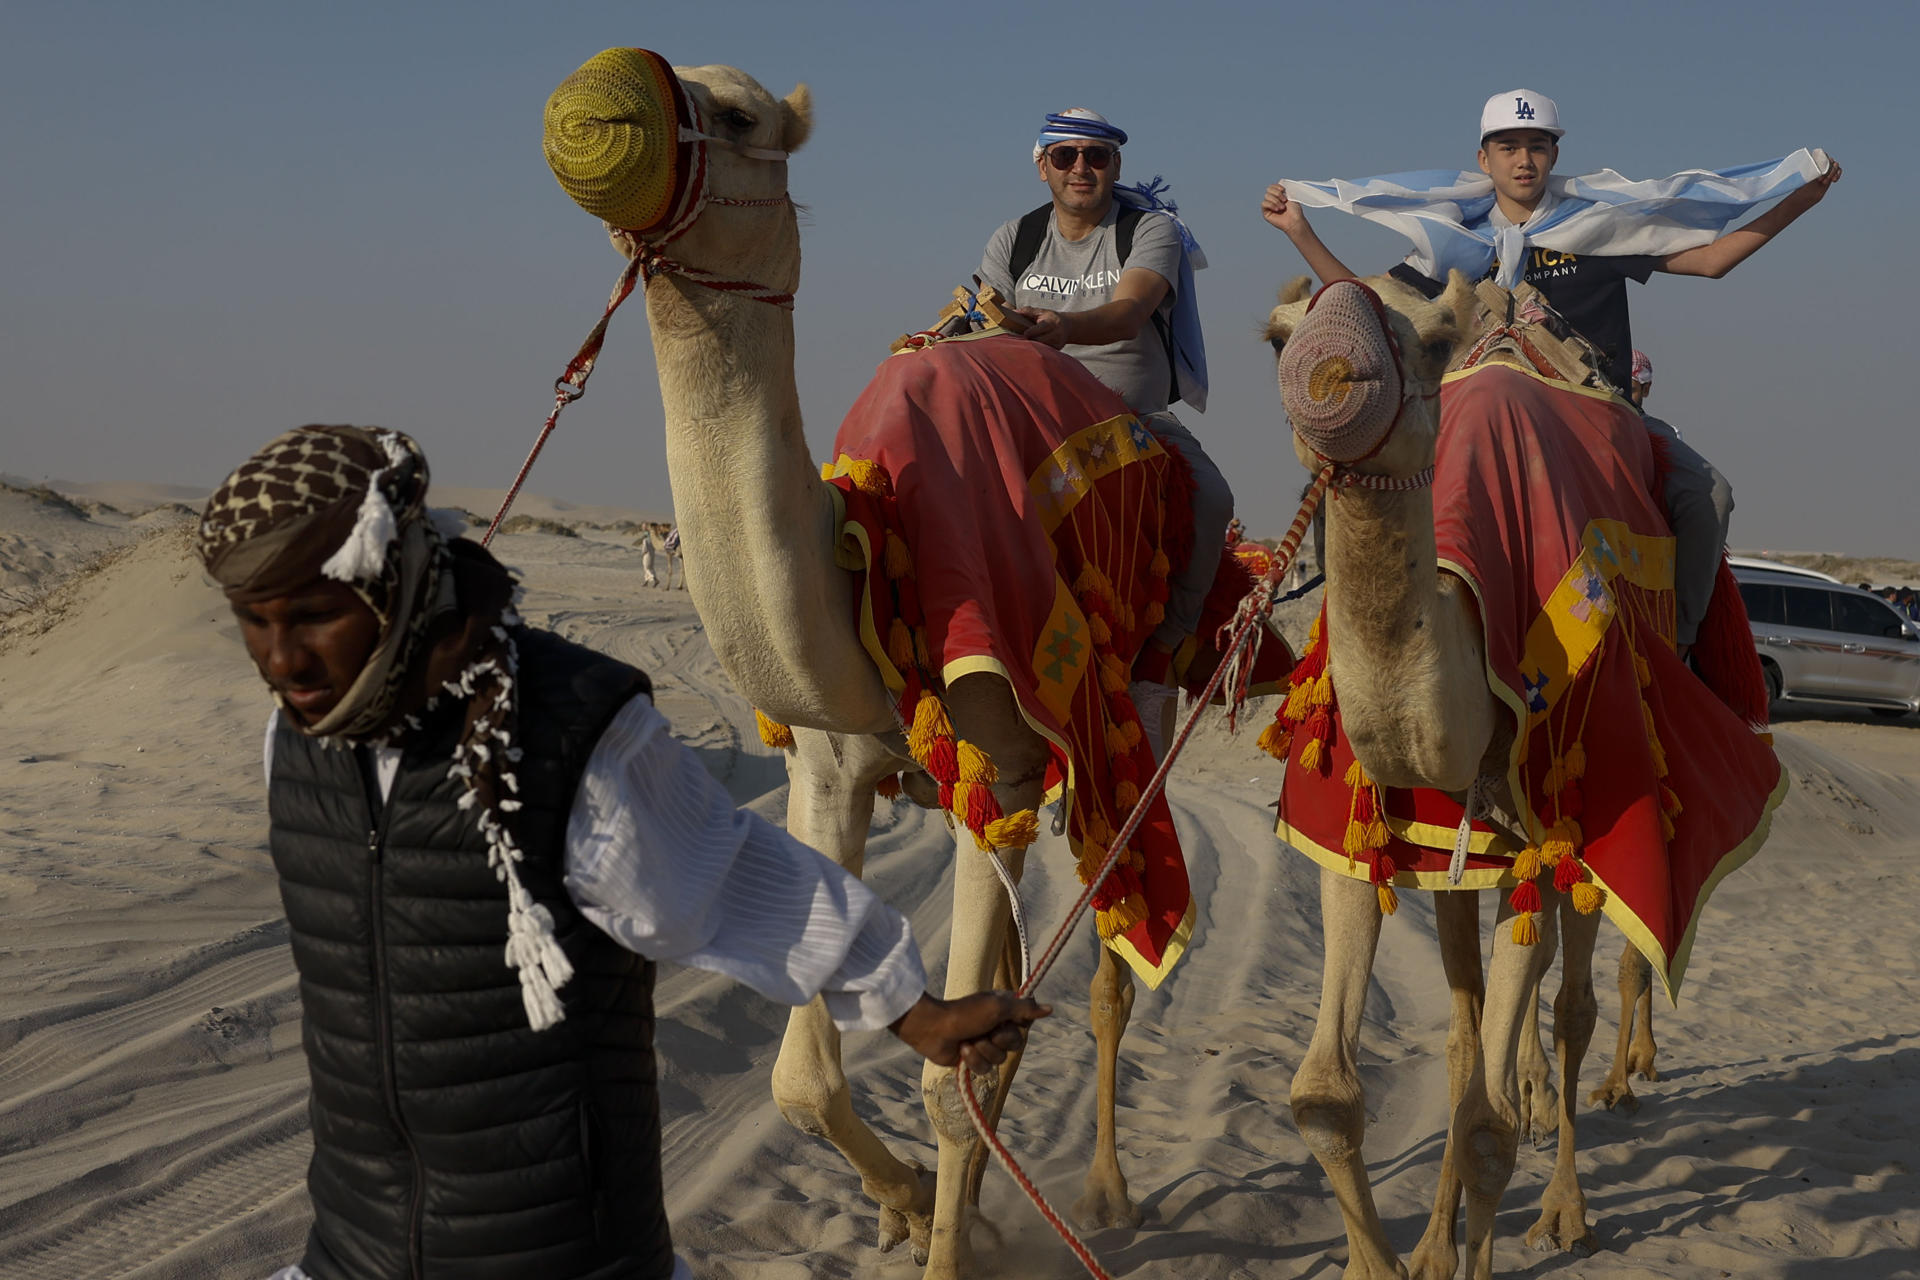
(223, 220)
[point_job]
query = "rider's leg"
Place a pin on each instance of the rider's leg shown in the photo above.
(1188, 585)
(1699, 505)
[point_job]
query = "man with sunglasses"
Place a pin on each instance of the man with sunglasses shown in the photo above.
(1105, 273)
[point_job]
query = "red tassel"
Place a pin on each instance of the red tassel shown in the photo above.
(982, 808)
(946, 796)
(888, 787)
(943, 760)
(1525, 897)
(1567, 874)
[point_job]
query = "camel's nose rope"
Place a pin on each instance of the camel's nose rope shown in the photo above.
(1251, 613)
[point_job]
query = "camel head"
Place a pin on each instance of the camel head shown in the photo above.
(691, 160)
(1360, 365)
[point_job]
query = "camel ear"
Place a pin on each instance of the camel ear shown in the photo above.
(1460, 299)
(1285, 318)
(796, 118)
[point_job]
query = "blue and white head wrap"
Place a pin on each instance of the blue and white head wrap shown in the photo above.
(1077, 124)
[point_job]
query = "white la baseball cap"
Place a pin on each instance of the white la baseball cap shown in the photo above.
(1520, 109)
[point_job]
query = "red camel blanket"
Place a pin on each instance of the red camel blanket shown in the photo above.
(1011, 516)
(1637, 787)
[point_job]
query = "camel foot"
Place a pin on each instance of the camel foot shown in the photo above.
(1434, 1260)
(1374, 1269)
(1615, 1095)
(913, 1224)
(1640, 1062)
(952, 1251)
(1105, 1205)
(1539, 1108)
(1563, 1229)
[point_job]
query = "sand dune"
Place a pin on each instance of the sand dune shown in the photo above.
(152, 1089)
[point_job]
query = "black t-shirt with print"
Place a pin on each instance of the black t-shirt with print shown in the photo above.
(1590, 292)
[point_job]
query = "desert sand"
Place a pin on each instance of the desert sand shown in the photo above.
(152, 1087)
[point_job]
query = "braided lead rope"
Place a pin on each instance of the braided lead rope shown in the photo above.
(1250, 614)
(643, 263)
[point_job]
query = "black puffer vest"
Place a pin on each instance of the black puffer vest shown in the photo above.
(452, 1141)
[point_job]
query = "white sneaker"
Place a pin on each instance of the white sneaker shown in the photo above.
(1158, 705)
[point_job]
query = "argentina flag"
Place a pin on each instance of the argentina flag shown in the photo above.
(1455, 225)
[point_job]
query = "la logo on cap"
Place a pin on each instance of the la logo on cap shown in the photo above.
(1520, 109)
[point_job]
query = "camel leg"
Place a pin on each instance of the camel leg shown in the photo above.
(1563, 1207)
(1006, 977)
(1105, 1202)
(1635, 1049)
(1485, 1134)
(980, 922)
(827, 808)
(1539, 1108)
(1328, 1106)
(1457, 918)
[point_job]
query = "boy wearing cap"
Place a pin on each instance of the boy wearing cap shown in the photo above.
(1105, 273)
(1578, 241)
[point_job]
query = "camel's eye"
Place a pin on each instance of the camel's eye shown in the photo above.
(735, 118)
(1278, 342)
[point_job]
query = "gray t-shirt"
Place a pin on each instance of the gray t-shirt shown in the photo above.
(1078, 275)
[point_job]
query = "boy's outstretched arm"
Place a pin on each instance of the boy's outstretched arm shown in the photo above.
(1288, 216)
(1730, 250)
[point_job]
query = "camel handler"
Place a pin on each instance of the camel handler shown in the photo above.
(1105, 273)
(486, 837)
(1578, 241)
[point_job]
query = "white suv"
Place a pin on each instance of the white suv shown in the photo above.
(1823, 641)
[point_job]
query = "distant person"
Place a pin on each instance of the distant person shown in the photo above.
(485, 837)
(1105, 273)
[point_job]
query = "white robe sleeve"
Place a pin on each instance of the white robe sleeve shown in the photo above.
(659, 857)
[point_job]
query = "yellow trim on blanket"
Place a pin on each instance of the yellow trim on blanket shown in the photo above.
(1177, 945)
(1672, 969)
(869, 634)
(1354, 869)
(1087, 456)
(1558, 384)
(1429, 836)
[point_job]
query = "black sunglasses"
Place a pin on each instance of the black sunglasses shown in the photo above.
(1062, 158)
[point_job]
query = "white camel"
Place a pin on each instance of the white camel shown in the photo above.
(760, 527)
(1409, 667)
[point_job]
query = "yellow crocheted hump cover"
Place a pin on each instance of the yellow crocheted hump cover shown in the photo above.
(612, 137)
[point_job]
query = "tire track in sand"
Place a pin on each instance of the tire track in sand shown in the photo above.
(179, 1205)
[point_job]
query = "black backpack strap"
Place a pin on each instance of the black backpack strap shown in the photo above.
(1026, 242)
(1123, 228)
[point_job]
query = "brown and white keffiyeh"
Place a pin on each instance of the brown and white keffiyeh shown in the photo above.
(349, 504)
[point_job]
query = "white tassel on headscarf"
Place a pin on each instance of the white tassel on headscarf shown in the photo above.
(362, 556)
